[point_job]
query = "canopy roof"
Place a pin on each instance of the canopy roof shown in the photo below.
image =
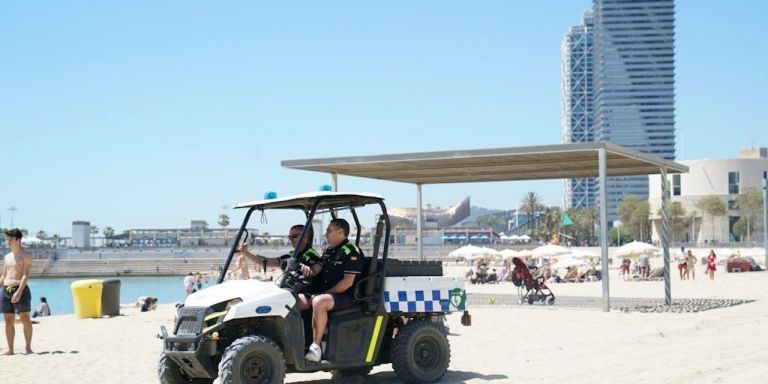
(494, 164)
(307, 200)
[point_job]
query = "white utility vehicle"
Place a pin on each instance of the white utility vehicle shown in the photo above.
(250, 331)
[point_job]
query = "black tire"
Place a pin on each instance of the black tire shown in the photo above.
(252, 360)
(168, 372)
(350, 374)
(420, 352)
(551, 300)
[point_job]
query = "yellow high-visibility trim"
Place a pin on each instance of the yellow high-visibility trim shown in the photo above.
(374, 338)
(215, 315)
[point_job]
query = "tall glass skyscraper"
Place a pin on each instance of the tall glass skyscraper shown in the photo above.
(577, 63)
(634, 84)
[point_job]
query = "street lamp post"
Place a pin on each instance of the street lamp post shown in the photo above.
(12, 209)
(765, 216)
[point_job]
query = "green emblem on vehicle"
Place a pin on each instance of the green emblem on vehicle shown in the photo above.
(458, 298)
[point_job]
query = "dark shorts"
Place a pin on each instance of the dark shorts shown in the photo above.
(341, 301)
(24, 305)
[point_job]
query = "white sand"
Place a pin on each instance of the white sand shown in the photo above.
(517, 344)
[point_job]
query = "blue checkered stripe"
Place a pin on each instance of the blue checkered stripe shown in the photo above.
(417, 301)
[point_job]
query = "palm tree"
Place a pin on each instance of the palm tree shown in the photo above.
(94, 231)
(224, 222)
(56, 238)
(41, 234)
(531, 204)
(108, 233)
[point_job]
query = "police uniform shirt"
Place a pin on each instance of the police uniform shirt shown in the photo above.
(338, 260)
(309, 257)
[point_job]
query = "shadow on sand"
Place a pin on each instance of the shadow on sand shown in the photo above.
(391, 378)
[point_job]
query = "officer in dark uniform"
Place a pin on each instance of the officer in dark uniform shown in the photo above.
(307, 255)
(341, 264)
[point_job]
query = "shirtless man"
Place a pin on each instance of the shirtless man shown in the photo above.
(15, 292)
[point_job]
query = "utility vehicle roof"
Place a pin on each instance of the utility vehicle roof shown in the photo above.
(305, 201)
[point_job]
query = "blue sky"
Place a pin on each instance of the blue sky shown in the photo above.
(150, 114)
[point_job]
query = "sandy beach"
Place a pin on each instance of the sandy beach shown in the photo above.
(505, 344)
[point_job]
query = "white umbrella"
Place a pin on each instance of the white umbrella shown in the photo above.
(508, 254)
(582, 254)
(465, 252)
(635, 249)
(484, 254)
(550, 250)
(525, 238)
(525, 253)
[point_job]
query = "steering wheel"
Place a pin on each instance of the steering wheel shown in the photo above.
(292, 277)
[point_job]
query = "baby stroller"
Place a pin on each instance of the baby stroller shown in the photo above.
(528, 288)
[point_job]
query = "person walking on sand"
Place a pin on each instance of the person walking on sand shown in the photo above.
(691, 271)
(189, 284)
(16, 296)
(682, 262)
(711, 264)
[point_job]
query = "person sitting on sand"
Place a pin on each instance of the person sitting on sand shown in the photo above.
(146, 303)
(571, 274)
(42, 309)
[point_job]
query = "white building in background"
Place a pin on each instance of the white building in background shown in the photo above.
(725, 179)
(81, 234)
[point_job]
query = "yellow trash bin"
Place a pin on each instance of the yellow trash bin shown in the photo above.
(87, 297)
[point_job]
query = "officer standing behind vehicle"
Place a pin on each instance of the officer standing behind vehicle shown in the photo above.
(340, 264)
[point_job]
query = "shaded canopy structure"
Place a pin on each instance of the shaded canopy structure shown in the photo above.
(595, 159)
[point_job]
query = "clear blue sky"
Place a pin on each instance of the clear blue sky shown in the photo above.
(150, 114)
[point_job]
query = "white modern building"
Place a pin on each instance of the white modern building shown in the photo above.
(81, 234)
(634, 84)
(725, 179)
(577, 62)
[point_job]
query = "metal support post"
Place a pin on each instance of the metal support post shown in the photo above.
(665, 234)
(604, 230)
(419, 238)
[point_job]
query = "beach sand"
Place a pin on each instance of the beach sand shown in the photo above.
(505, 344)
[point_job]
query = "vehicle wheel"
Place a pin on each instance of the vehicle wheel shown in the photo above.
(169, 373)
(420, 352)
(252, 360)
(530, 300)
(350, 374)
(551, 300)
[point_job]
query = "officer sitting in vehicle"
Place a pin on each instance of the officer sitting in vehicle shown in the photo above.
(340, 264)
(307, 255)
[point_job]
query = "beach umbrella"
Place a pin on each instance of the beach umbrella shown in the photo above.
(550, 250)
(508, 253)
(524, 254)
(483, 253)
(635, 249)
(465, 252)
(583, 254)
(525, 238)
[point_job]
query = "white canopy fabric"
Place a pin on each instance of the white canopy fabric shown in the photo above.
(635, 249)
(508, 253)
(583, 254)
(465, 252)
(524, 253)
(550, 250)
